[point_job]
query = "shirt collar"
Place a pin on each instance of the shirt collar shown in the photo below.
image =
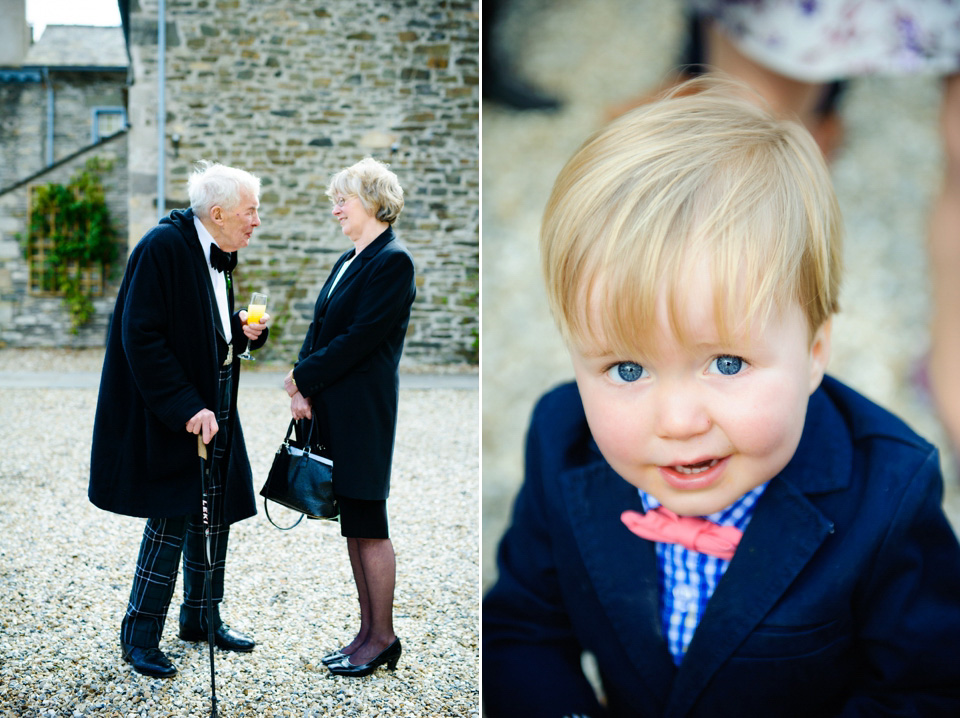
(737, 514)
(206, 239)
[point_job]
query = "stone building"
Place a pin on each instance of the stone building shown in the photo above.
(62, 103)
(294, 91)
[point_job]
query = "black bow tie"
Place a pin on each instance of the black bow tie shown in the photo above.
(222, 261)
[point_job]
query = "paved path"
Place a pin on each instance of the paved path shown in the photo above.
(66, 566)
(251, 379)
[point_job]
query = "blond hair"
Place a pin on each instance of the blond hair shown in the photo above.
(377, 187)
(704, 174)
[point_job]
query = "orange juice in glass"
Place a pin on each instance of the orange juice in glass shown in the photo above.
(255, 311)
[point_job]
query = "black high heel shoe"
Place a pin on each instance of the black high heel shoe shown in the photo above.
(389, 656)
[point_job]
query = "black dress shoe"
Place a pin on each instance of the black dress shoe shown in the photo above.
(389, 656)
(225, 637)
(148, 661)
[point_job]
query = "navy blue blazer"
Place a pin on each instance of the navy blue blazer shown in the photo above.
(843, 598)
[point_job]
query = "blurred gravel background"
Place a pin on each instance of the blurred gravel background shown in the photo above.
(598, 54)
(66, 569)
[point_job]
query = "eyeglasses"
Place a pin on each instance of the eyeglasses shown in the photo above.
(340, 201)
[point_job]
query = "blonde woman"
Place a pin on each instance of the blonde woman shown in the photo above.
(346, 376)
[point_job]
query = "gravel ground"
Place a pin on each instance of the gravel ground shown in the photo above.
(66, 569)
(599, 54)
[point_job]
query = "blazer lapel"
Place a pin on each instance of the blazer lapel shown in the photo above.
(785, 532)
(622, 568)
(370, 251)
(754, 582)
(349, 273)
(217, 324)
(190, 234)
(325, 290)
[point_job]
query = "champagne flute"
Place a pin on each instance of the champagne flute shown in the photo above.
(255, 311)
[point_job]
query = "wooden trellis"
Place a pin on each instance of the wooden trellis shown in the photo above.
(50, 280)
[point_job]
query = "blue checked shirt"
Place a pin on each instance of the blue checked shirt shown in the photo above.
(688, 578)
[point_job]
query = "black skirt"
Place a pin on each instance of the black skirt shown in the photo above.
(360, 518)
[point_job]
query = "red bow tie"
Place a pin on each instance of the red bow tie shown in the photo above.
(700, 535)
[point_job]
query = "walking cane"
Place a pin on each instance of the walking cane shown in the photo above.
(208, 568)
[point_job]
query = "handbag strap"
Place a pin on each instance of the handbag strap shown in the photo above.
(293, 423)
(266, 510)
(308, 437)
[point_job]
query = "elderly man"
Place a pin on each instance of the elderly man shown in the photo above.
(170, 373)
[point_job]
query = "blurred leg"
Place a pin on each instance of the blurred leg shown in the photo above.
(944, 258)
(813, 104)
(708, 47)
(785, 95)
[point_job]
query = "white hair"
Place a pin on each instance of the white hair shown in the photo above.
(213, 184)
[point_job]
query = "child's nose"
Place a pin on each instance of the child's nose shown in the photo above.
(681, 413)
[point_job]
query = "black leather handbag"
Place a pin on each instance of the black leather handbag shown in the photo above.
(301, 479)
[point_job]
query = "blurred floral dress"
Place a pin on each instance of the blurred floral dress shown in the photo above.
(823, 40)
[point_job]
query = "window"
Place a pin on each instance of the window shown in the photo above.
(108, 121)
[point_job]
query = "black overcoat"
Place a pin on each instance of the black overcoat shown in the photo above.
(348, 364)
(161, 366)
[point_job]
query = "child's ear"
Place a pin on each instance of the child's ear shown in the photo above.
(820, 353)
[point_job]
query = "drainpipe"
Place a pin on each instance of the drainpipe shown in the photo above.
(49, 86)
(161, 107)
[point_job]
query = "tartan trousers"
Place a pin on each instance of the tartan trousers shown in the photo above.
(164, 540)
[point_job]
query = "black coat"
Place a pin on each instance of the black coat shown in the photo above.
(161, 367)
(348, 364)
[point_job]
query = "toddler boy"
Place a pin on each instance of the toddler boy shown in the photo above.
(728, 531)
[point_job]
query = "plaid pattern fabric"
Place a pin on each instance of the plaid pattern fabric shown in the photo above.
(164, 540)
(688, 578)
(226, 390)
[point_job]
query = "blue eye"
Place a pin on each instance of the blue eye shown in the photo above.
(626, 372)
(727, 365)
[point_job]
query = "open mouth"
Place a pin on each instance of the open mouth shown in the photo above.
(695, 476)
(698, 468)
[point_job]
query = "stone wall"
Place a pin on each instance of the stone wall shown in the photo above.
(23, 122)
(76, 95)
(23, 118)
(295, 91)
(32, 321)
